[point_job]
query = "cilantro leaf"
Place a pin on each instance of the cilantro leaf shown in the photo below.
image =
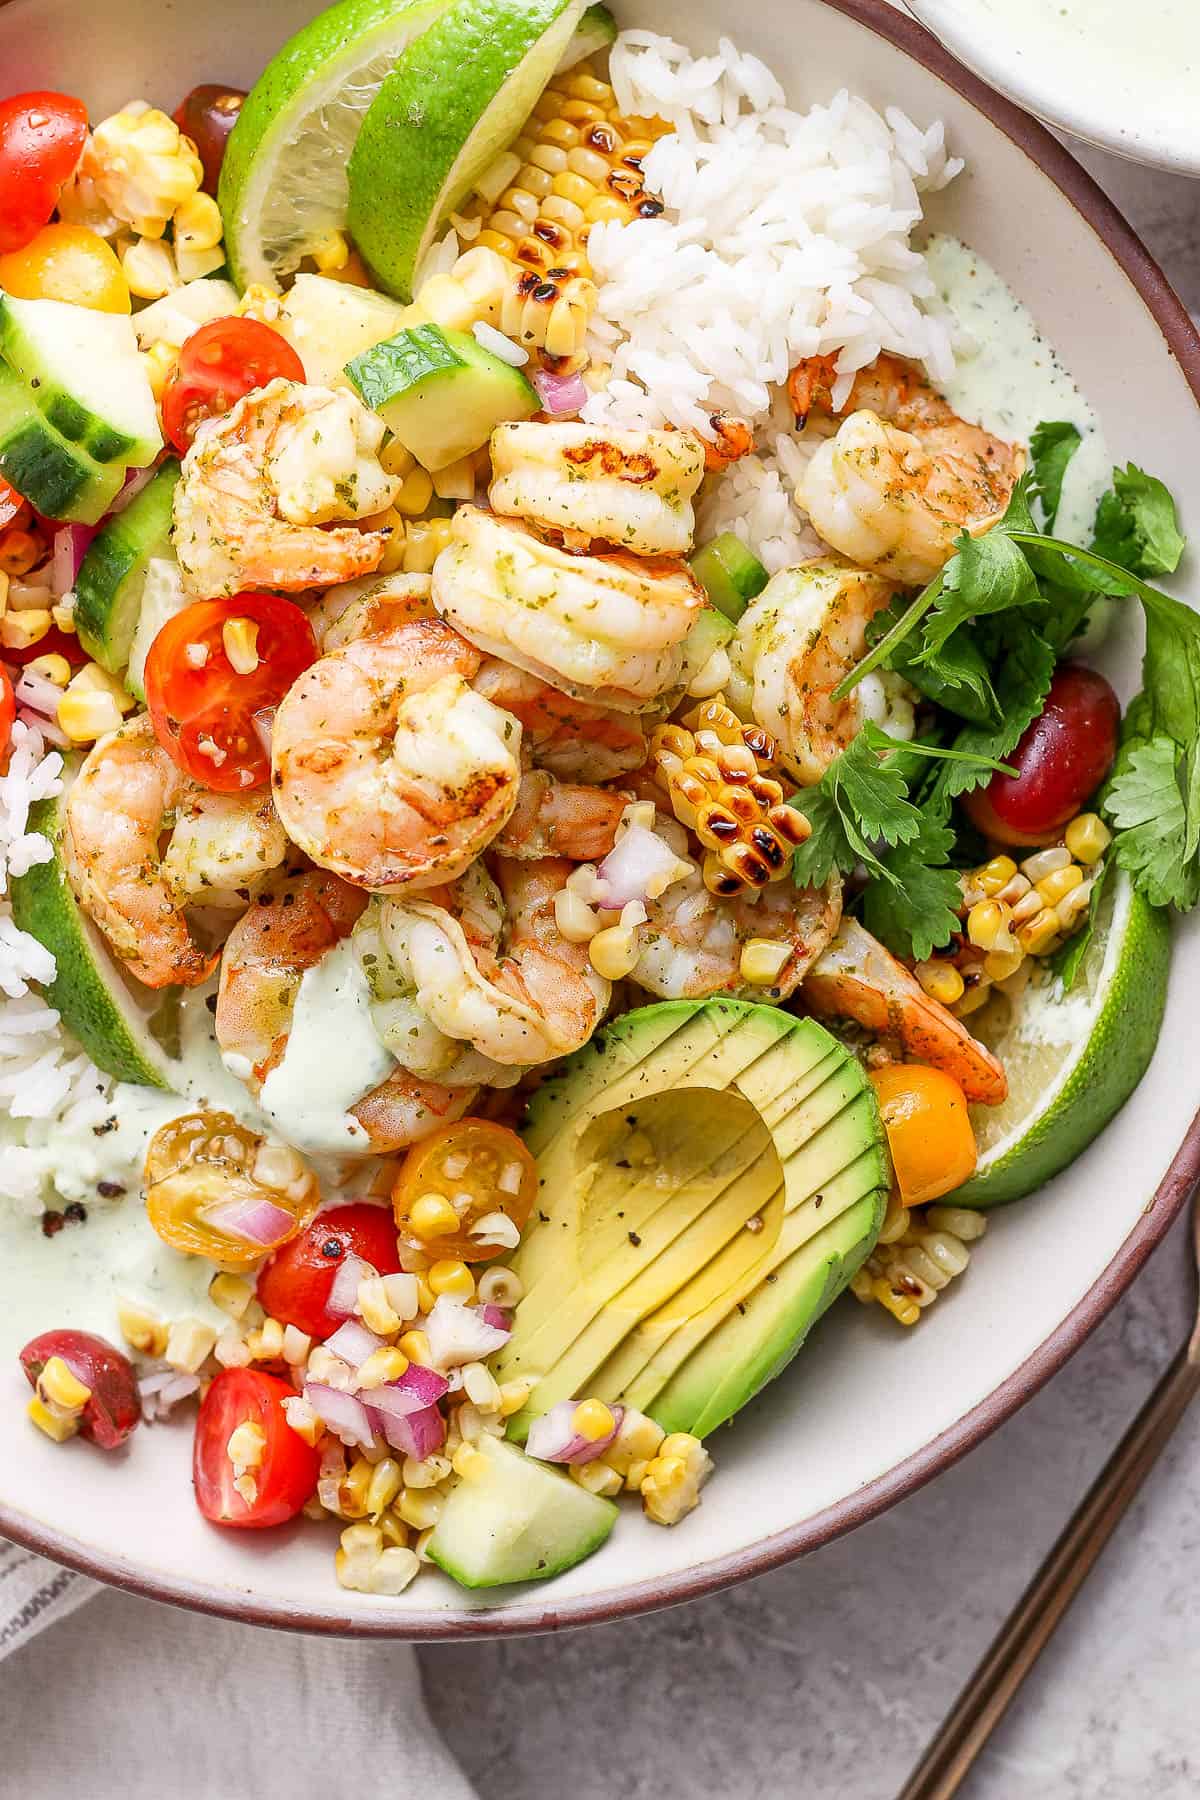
(913, 907)
(874, 790)
(1022, 683)
(1137, 526)
(826, 850)
(1146, 804)
(988, 574)
(956, 677)
(1052, 445)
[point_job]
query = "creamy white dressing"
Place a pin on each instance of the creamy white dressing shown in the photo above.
(333, 1057)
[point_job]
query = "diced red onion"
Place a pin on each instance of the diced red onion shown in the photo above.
(353, 1343)
(258, 1222)
(553, 1437)
(416, 1434)
(38, 692)
(135, 481)
(49, 730)
(70, 547)
(345, 1415)
(560, 394)
(637, 861)
(461, 1334)
(498, 1317)
(416, 1389)
(343, 1294)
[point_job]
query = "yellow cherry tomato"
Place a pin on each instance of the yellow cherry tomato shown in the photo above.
(929, 1129)
(67, 262)
(215, 1189)
(455, 1179)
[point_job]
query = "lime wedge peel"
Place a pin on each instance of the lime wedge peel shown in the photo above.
(283, 184)
(596, 31)
(457, 97)
(1072, 1059)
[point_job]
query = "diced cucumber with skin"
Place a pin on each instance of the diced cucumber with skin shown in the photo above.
(440, 392)
(112, 577)
(711, 631)
(517, 1521)
(163, 595)
(59, 479)
(85, 374)
(597, 30)
(730, 574)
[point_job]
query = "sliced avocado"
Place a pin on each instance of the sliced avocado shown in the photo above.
(58, 478)
(440, 392)
(711, 1175)
(730, 574)
(83, 370)
(112, 577)
(518, 1521)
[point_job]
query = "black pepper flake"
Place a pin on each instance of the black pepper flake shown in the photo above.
(635, 1240)
(210, 1000)
(52, 1223)
(105, 1126)
(333, 1248)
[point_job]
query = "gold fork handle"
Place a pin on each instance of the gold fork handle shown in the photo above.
(985, 1698)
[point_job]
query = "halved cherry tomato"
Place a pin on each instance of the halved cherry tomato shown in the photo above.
(53, 643)
(928, 1128)
(1062, 759)
(41, 140)
(215, 1188)
(115, 1406)
(67, 262)
(294, 1286)
(219, 363)
(202, 708)
(285, 1477)
(10, 503)
(475, 1167)
(207, 116)
(8, 711)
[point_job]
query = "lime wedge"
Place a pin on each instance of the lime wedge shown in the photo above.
(457, 96)
(596, 31)
(1073, 1059)
(283, 182)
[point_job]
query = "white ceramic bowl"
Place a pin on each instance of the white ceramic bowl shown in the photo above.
(866, 1414)
(1102, 70)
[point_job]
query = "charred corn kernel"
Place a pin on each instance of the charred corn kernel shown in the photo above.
(375, 1309)
(425, 1474)
(469, 1463)
(189, 1343)
(613, 953)
(55, 1425)
(381, 1367)
(715, 773)
(671, 1484)
(143, 1331)
(302, 1418)
(246, 1445)
(762, 961)
(425, 1295)
(239, 636)
(415, 1346)
(988, 924)
(637, 1441)
(597, 1478)
(452, 1277)
(231, 1293)
(902, 1306)
(941, 981)
(1046, 862)
(1087, 837)
(999, 964)
(266, 1344)
(1058, 884)
(60, 1389)
(996, 874)
(432, 1216)
(150, 269)
(385, 1483)
(353, 1489)
(421, 1507)
(1038, 933)
(52, 668)
(394, 1530)
(513, 1396)
(895, 1220)
(965, 1224)
(396, 459)
(592, 1420)
(18, 630)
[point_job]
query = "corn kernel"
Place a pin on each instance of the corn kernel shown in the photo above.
(63, 613)
(426, 1298)
(415, 1346)
(597, 1478)
(1058, 884)
(53, 1424)
(902, 1307)
(421, 1547)
(425, 1474)
(332, 253)
(1072, 907)
(374, 1309)
(53, 668)
(18, 630)
(239, 637)
(480, 1387)
(469, 1463)
(513, 1396)
(381, 1367)
(452, 1277)
(353, 1489)
(421, 1508)
(998, 965)
(762, 961)
(394, 1530)
(941, 981)
(61, 1389)
(189, 1343)
(396, 459)
(142, 1330)
(386, 1482)
(150, 269)
(198, 224)
(92, 679)
(1087, 837)
(592, 1420)
(415, 493)
(500, 1287)
(456, 481)
(996, 874)
(432, 1216)
(576, 920)
(959, 1220)
(231, 1293)
(303, 1419)
(613, 953)
(246, 1445)
(1046, 862)
(394, 1569)
(895, 1220)
(988, 924)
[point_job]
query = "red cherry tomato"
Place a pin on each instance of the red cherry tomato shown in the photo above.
(41, 140)
(207, 116)
(1062, 759)
(115, 1406)
(10, 503)
(294, 1286)
(54, 643)
(219, 363)
(8, 711)
(202, 708)
(285, 1477)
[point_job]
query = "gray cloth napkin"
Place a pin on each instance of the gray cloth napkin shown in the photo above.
(133, 1700)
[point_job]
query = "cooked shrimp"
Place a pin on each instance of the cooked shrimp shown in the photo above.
(806, 630)
(223, 847)
(118, 809)
(732, 440)
(608, 629)
(387, 767)
(358, 609)
(904, 475)
(560, 818)
(258, 484)
(856, 978)
(691, 945)
(631, 488)
(488, 966)
(266, 955)
(568, 737)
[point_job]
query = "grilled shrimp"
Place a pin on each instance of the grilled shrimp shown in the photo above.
(856, 978)
(258, 484)
(117, 810)
(608, 629)
(691, 945)
(904, 475)
(806, 630)
(487, 965)
(631, 488)
(266, 955)
(387, 767)
(560, 818)
(374, 603)
(568, 737)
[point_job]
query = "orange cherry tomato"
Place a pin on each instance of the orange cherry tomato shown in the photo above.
(41, 140)
(476, 1167)
(929, 1129)
(286, 1474)
(219, 363)
(202, 707)
(214, 1189)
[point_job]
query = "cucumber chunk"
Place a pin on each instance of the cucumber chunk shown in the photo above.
(59, 479)
(440, 392)
(163, 595)
(85, 375)
(112, 577)
(730, 574)
(711, 631)
(519, 1521)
